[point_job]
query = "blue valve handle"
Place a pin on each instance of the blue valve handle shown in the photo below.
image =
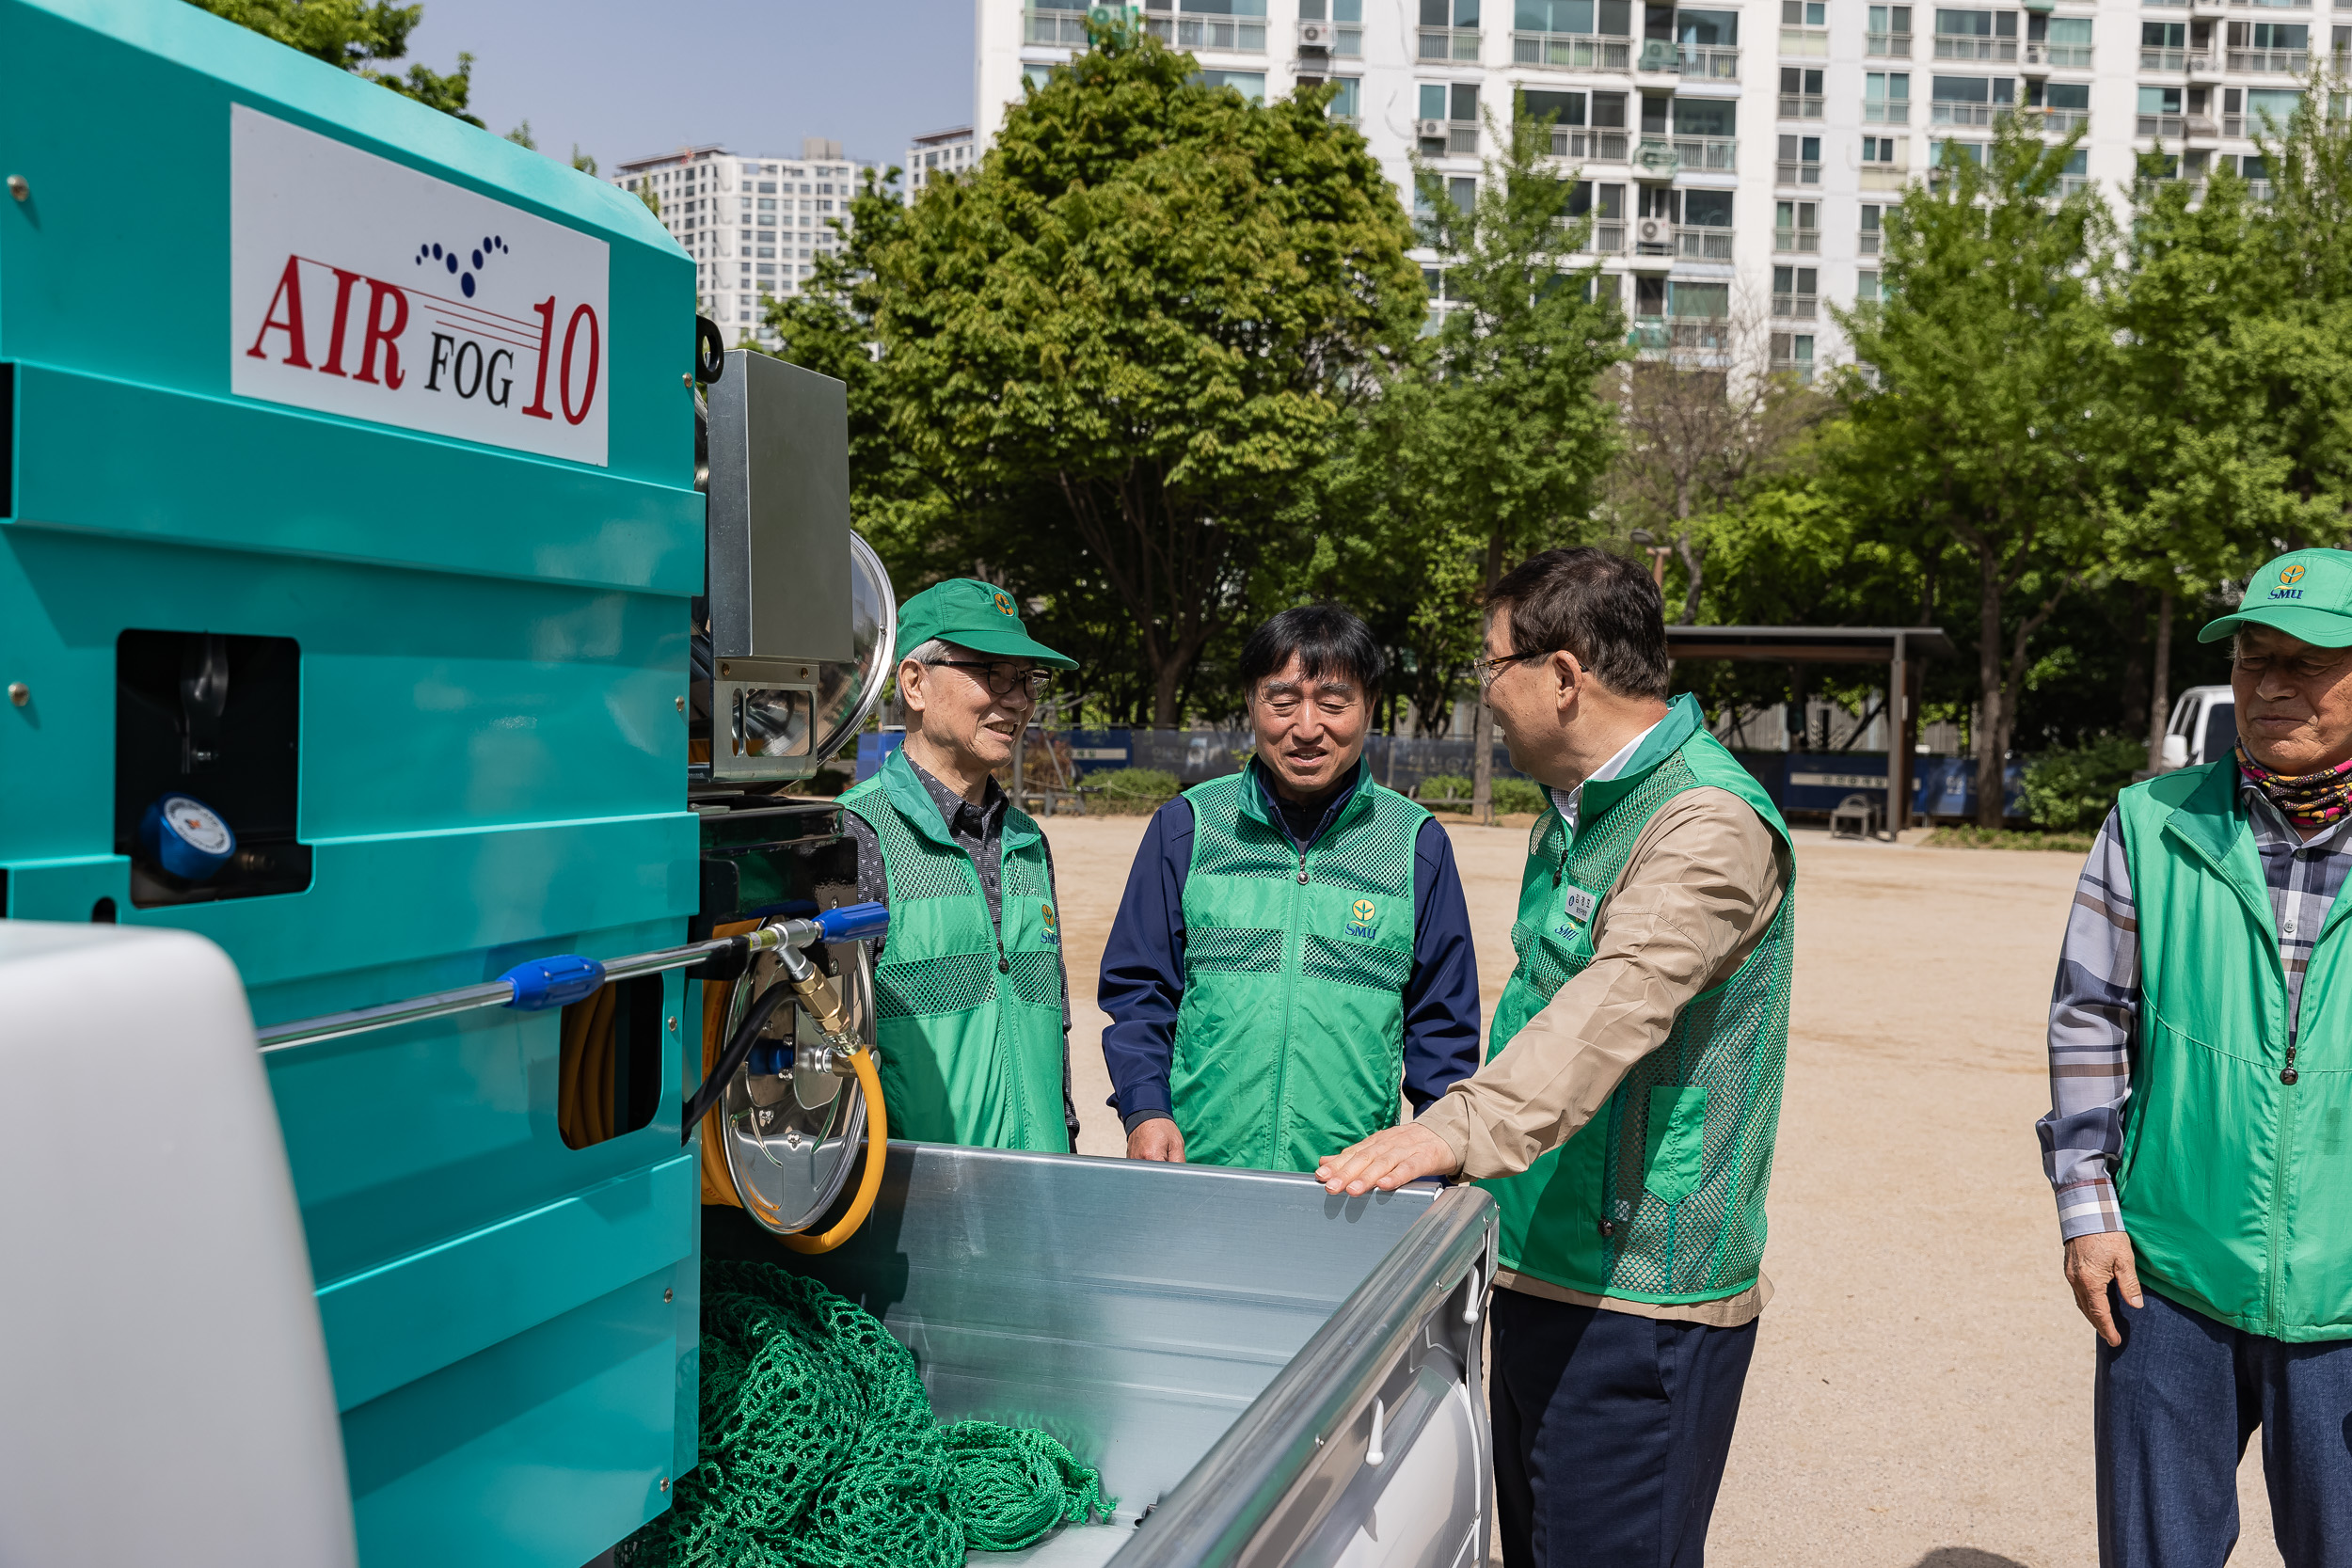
(769, 1059)
(555, 982)
(855, 921)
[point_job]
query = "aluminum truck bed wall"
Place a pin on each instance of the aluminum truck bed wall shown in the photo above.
(1215, 1341)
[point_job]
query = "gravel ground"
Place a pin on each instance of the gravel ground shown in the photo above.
(1921, 1391)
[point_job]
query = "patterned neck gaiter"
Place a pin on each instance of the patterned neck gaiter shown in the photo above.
(2313, 799)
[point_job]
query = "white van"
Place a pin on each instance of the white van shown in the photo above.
(2204, 727)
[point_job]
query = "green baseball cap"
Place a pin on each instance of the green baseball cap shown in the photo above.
(976, 615)
(2305, 594)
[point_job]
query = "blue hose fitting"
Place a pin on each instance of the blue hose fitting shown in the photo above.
(855, 921)
(555, 982)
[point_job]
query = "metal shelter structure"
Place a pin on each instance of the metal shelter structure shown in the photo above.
(1901, 649)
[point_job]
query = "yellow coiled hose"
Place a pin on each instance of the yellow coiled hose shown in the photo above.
(718, 1182)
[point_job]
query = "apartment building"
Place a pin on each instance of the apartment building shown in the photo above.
(1737, 158)
(940, 154)
(754, 225)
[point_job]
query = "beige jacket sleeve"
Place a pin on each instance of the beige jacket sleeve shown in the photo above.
(1698, 893)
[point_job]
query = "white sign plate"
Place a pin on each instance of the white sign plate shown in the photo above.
(359, 287)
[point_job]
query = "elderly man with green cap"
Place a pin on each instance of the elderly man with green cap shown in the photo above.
(972, 1006)
(2200, 1076)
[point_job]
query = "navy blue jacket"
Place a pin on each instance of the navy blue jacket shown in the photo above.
(1143, 966)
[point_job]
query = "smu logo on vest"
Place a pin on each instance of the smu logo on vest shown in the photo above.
(363, 288)
(1052, 925)
(1363, 920)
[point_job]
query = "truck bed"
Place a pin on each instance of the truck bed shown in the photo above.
(1139, 1311)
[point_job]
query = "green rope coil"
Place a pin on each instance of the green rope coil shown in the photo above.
(820, 1448)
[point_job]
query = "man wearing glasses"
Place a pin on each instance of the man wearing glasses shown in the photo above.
(971, 1003)
(1624, 1117)
(2200, 1080)
(1293, 948)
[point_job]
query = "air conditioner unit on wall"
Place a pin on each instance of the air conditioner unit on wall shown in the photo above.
(1429, 127)
(1651, 229)
(1315, 35)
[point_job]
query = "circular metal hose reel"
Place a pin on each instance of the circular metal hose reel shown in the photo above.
(791, 1125)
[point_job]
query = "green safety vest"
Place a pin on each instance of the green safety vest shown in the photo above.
(1290, 1041)
(2236, 1187)
(1661, 1196)
(967, 1027)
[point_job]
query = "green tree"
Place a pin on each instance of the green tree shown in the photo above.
(580, 161)
(1116, 359)
(1973, 404)
(520, 136)
(1505, 427)
(357, 37)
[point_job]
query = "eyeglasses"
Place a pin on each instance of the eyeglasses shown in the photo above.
(1002, 679)
(1488, 668)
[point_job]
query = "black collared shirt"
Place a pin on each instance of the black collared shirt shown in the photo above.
(979, 831)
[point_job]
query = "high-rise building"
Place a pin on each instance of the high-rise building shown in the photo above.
(1738, 158)
(942, 152)
(754, 225)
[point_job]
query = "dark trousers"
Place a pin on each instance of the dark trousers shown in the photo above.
(2174, 1406)
(1610, 1432)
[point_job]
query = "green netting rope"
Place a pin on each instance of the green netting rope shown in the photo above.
(820, 1448)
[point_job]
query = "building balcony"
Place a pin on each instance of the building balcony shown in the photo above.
(1447, 138)
(1232, 38)
(1886, 46)
(1572, 51)
(1331, 39)
(2258, 190)
(1884, 177)
(1796, 308)
(1664, 157)
(1793, 172)
(2053, 122)
(2164, 59)
(1941, 113)
(1450, 43)
(1703, 243)
(1679, 332)
(1707, 63)
(1797, 242)
(2276, 5)
(2271, 62)
(2173, 127)
(1054, 29)
(1606, 239)
(1597, 146)
(1967, 46)
(1801, 105)
(1804, 42)
(2056, 56)
(1893, 111)
(2072, 185)
(1866, 242)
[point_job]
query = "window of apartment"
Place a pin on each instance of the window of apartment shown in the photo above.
(1803, 13)
(1703, 301)
(1799, 93)
(1795, 293)
(2269, 35)
(1971, 152)
(1559, 108)
(1886, 97)
(1706, 117)
(1796, 226)
(1606, 286)
(2274, 104)
(751, 168)
(1331, 10)
(1603, 201)
(1346, 98)
(1981, 25)
(1434, 13)
(1608, 111)
(1800, 162)
(1707, 209)
(1249, 84)
(1880, 150)
(2074, 97)
(2160, 100)
(1463, 194)
(1036, 74)
(1889, 34)
(1609, 18)
(1866, 288)
(1456, 100)
(1708, 29)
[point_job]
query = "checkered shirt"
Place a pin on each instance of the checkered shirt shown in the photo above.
(2094, 1006)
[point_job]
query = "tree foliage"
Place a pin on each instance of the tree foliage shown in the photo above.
(358, 36)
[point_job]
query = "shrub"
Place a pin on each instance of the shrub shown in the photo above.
(1443, 786)
(1136, 784)
(1510, 795)
(2073, 789)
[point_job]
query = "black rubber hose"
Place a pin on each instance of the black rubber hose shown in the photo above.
(739, 1046)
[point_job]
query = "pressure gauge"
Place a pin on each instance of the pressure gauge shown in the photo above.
(187, 837)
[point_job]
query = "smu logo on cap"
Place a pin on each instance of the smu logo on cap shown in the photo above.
(360, 287)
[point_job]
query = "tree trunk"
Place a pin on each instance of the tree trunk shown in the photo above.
(2160, 687)
(1695, 563)
(1164, 681)
(1994, 726)
(1483, 729)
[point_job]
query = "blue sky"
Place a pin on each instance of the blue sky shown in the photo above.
(629, 80)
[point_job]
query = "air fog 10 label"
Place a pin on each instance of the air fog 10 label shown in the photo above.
(360, 287)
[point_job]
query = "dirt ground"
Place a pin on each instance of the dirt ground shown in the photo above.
(1921, 1391)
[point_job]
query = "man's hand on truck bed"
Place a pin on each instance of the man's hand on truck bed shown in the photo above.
(1387, 1160)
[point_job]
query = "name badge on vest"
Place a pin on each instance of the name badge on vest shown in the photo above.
(1578, 904)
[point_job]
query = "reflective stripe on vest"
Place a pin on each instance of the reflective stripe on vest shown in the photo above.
(1290, 1041)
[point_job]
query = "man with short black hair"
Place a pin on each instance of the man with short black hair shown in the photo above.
(1624, 1117)
(972, 1006)
(1293, 948)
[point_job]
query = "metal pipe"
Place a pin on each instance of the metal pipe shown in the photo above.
(551, 982)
